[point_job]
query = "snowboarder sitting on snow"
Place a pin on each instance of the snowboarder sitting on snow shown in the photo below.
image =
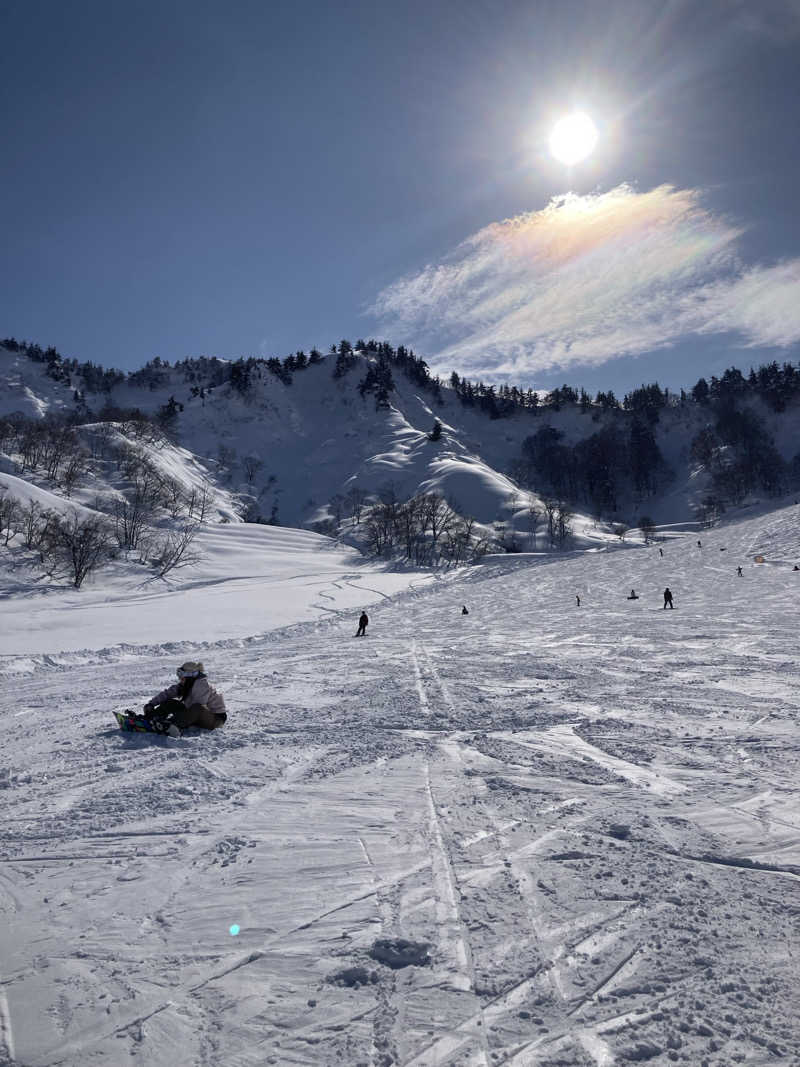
(667, 598)
(190, 702)
(464, 610)
(633, 595)
(362, 625)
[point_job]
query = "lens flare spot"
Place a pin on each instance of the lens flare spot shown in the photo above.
(234, 930)
(573, 138)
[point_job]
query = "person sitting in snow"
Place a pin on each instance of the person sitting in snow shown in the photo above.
(191, 701)
(362, 625)
(633, 595)
(464, 610)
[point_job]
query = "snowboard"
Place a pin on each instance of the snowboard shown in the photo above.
(133, 722)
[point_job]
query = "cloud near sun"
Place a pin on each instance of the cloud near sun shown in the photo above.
(588, 279)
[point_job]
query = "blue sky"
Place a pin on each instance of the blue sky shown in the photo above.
(183, 178)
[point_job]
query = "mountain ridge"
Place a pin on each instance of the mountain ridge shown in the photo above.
(290, 436)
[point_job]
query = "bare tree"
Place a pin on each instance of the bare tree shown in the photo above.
(174, 496)
(251, 465)
(176, 549)
(336, 505)
(409, 525)
(74, 467)
(84, 544)
(10, 516)
(133, 514)
(458, 541)
(506, 536)
(648, 528)
(32, 523)
(551, 517)
(563, 525)
(534, 517)
(436, 515)
(479, 548)
(355, 500)
(383, 524)
(199, 501)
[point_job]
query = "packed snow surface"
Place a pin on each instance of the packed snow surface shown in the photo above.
(534, 834)
(246, 579)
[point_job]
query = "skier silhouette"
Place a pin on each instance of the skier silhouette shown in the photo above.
(362, 625)
(739, 571)
(633, 595)
(667, 598)
(578, 599)
(464, 610)
(699, 545)
(661, 552)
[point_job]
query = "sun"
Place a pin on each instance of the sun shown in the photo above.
(573, 138)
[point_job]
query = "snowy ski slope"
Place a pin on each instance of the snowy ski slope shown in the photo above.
(585, 821)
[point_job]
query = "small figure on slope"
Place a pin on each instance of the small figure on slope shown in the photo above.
(739, 571)
(464, 610)
(661, 552)
(362, 625)
(633, 595)
(578, 599)
(667, 598)
(190, 702)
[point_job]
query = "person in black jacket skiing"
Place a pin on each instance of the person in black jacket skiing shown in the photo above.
(667, 598)
(362, 625)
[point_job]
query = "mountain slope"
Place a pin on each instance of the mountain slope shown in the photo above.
(289, 447)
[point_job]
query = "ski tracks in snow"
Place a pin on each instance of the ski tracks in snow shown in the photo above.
(589, 821)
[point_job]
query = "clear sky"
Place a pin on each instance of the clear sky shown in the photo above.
(188, 177)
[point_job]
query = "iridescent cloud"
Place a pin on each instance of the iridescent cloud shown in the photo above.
(588, 279)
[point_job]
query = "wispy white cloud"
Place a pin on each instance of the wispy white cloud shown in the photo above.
(589, 279)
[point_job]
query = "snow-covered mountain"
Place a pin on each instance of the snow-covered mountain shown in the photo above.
(290, 442)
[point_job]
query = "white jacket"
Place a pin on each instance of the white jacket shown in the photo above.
(200, 693)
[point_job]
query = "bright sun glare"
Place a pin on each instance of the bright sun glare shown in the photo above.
(573, 138)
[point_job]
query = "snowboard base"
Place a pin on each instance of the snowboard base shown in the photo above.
(131, 722)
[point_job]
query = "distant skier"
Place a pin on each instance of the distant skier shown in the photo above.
(633, 595)
(795, 568)
(362, 625)
(190, 702)
(578, 599)
(739, 571)
(667, 598)
(661, 552)
(699, 545)
(464, 610)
